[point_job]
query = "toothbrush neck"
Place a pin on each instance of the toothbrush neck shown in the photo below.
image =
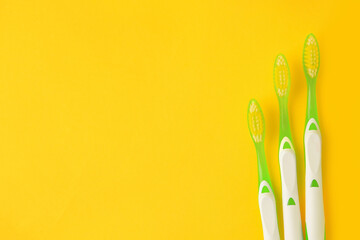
(311, 110)
(263, 172)
(284, 121)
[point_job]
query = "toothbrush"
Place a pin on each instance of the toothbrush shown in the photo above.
(267, 203)
(315, 219)
(287, 158)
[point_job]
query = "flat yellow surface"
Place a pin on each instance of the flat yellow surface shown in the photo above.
(127, 119)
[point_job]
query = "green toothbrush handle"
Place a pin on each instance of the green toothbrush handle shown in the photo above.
(315, 217)
(268, 214)
(267, 203)
(290, 195)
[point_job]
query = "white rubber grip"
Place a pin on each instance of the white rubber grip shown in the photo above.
(290, 195)
(315, 219)
(268, 212)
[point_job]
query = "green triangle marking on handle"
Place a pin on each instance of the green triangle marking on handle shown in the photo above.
(265, 189)
(291, 202)
(314, 183)
(313, 127)
(286, 145)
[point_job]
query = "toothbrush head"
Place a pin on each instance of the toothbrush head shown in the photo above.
(311, 58)
(281, 76)
(256, 122)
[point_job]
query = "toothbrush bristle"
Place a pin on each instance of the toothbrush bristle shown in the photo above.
(256, 121)
(311, 56)
(281, 76)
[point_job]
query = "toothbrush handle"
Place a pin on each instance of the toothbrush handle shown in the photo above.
(315, 218)
(268, 212)
(290, 196)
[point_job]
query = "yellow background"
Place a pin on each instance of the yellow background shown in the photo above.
(127, 119)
